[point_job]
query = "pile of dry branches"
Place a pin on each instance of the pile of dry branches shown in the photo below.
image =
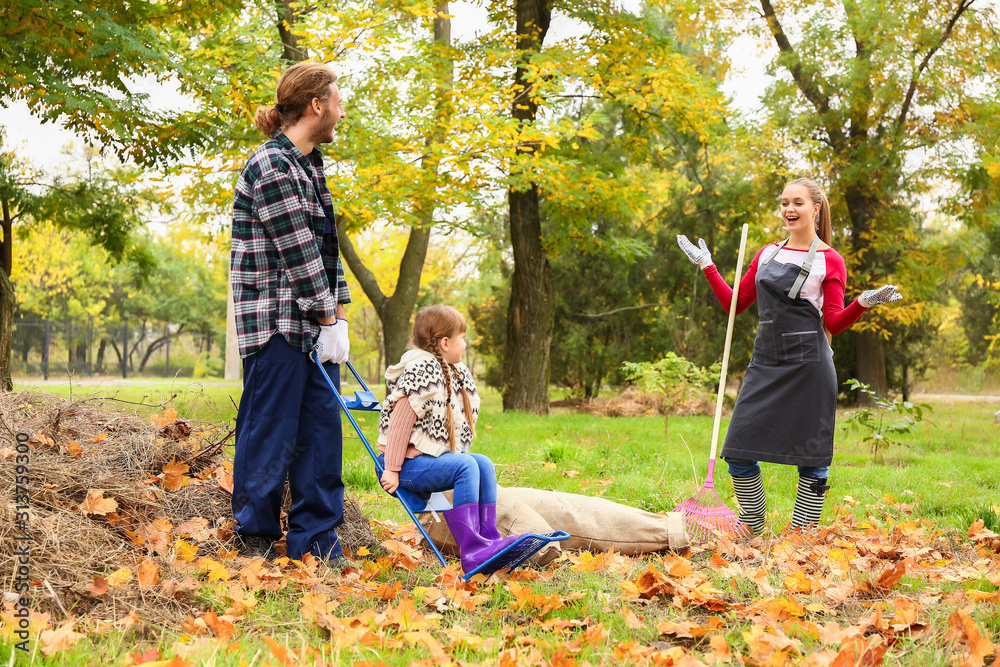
(99, 478)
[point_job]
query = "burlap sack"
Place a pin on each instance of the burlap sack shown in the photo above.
(594, 524)
(597, 524)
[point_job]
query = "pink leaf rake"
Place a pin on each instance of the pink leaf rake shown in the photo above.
(704, 512)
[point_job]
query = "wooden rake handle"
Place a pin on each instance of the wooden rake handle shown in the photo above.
(725, 351)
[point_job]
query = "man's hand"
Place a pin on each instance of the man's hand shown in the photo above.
(698, 255)
(333, 343)
(876, 297)
(390, 480)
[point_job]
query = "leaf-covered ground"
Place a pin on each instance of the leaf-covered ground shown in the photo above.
(879, 583)
(849, 594)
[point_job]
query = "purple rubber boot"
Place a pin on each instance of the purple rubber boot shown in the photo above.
(488, 521)
(463, 521)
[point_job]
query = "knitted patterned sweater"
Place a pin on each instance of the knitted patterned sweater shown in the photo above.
(419, 377)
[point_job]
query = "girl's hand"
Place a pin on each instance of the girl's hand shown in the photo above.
(390, 480)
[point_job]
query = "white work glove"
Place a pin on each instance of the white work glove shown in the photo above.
(333, 343)
(876, 297)
(700, 255)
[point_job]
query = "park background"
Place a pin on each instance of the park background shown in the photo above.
(531, 163)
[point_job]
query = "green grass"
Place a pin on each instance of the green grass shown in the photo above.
(947, 475)
(192, 399)
(946, 470)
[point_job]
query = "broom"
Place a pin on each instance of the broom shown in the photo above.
(704, 512)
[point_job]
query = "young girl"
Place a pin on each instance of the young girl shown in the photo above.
(426, 428)
(787, 405)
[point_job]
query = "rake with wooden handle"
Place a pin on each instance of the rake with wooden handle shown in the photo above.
(704, 512)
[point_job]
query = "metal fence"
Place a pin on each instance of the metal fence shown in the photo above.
(44, 347)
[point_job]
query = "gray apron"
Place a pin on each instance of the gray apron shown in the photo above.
(787, 406)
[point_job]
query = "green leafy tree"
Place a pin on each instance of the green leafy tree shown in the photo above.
(411, 146)
(875, 94)
(103, 203)
(406, 150)
(976, 204)
(624, 59)
(79, 64)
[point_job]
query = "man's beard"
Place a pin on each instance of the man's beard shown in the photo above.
(323, 131)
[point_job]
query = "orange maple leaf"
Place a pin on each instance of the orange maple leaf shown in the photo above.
(886, 581)
(149, 573)
(387, 591)
(280, 652)
(171, 587)
(158, 542)
(98, 587)
(427, 639)
(314, 604)
(73, 448)
(96, 503)
(173, 475)
(221, 627)
(59, 639)
(168, 416)
(39, 439)
(151, 655)
(192, 626)
(856, 653)
(652, 582)
(963, 629)
(225, 480)
(689, 630)
(631, 620)
(777, 608)
(196, 528)
(720, 650)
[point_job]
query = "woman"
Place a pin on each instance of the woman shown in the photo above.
(787, 405)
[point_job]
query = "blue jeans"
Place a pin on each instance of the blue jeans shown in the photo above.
(746, 468)
(288, 425)
(472, 476)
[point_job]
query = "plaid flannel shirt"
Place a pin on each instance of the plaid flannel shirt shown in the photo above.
(285, 255)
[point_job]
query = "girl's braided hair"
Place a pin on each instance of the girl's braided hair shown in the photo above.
(431, 325)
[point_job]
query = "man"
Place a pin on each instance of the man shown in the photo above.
(289, 291)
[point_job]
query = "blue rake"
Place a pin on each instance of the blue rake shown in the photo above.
(518, 552)
(365, 400)
(508, 559)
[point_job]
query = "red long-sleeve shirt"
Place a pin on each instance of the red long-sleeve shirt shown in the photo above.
(824, 287)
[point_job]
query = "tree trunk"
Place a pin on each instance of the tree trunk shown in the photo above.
(871, 364)
(905, 373)
(6, 330)
(868, 352)
(99, 363)
(6, 299)
(155, 345)
(287, 18)
(530, 313)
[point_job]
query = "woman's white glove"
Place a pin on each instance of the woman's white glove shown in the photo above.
(876, 297)
(698, 255)
(333, 343)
